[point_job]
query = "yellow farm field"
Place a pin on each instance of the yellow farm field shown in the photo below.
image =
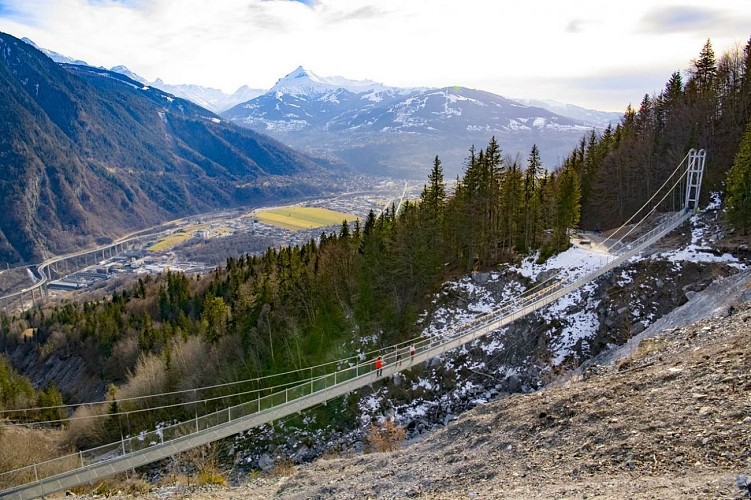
(303, 217)
(170, 241)
(176, 238)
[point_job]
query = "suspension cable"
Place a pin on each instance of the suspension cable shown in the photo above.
(612, 235)
(654, 208)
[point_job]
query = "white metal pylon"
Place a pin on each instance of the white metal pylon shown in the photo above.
(695, 174)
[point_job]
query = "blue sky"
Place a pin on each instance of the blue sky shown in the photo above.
(593, 53)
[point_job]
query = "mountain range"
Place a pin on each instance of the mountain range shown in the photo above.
(397, 131)
(374, 128)
(87, 154)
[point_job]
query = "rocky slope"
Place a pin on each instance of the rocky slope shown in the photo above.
(669, 421)
(664, 418)
(672, 421)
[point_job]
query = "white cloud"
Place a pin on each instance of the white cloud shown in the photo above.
(536, 48)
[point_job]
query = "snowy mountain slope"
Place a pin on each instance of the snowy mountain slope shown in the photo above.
(453, 110)
(133, 76)
(55, 56)
(207, 97)
(210, 98)
(591, 117)
(397, 131)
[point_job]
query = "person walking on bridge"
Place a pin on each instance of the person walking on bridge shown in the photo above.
(379, 366)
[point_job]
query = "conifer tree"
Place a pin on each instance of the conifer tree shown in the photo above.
(738, 187)
(705, 69)
(434, 193)
(512, 203)
(567, 206)
(532, 213)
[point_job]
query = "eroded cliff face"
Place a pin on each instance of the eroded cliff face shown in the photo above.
(74, 378)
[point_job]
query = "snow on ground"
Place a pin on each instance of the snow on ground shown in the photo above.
(572, 264)
(699, 249)
(578, 326)
(484, 297)
(481, 298)
(626, 277)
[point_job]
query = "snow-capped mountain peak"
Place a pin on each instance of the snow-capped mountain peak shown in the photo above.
(301, 72)
(304, 82)
(125, 71)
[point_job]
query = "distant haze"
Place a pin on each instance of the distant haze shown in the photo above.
(599, 55)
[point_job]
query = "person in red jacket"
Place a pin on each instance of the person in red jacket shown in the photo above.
(379, 366)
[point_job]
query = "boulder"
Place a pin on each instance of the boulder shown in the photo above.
(265, 462)
(514, 383)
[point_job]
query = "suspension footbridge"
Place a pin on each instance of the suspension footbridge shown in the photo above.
(344, 376)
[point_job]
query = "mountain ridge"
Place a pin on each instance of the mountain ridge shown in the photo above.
(397, 131)
(387, 151)
(87, 153)
(221, 101)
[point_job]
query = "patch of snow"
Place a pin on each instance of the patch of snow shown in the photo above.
(370, 403)
(715, 201)
(626, 278)
(493, 346)
(578, 326)
(698, 250)
(373, 96)
(444, 321)
(571, 264)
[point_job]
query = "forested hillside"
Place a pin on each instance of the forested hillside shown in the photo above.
(710, 108)
(321, 301)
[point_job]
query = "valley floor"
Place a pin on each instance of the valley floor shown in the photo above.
(672, 420)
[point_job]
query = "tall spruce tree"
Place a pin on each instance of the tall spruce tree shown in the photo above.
(739, 187)
(532, 213)
(705, 69)
(567, 207)
(434, 193)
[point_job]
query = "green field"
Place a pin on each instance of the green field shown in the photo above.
(296, 218)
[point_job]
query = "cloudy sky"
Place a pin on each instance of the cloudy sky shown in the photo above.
(594, 53)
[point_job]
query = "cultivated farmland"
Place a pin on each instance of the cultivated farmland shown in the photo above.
(295, 218)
